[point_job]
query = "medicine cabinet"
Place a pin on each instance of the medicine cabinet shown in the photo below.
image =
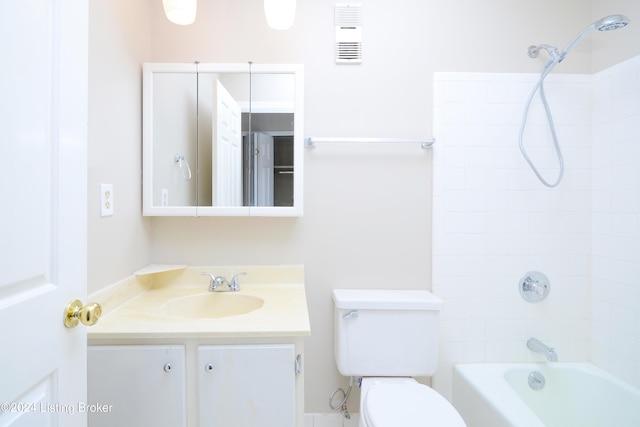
(222, 139)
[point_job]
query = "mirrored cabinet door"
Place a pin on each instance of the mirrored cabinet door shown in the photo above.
(222, 140)
(169, 151)
(277, 139)
(222, 99)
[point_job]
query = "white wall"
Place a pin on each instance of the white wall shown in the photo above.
(118, 44)
(615, 314)
(367, 216)
(615, 292)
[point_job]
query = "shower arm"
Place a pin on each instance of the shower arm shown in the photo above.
(554, 55)
(535, 50)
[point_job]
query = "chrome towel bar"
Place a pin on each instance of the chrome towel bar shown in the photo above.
(310, 142)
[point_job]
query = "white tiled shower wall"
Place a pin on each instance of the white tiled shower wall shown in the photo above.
(615, 281)
(493, 221)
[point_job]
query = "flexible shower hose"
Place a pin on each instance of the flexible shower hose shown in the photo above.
(540, 87)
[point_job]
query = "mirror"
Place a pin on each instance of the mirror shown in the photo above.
(222, 140)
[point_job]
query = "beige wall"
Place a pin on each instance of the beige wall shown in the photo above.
(118, 43)
(367, 219)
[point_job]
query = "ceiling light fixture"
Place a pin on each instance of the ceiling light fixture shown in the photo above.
(280, 14)
(181, 12)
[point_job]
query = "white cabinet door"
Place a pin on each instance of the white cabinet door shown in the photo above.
(247, 385)
(141, 385)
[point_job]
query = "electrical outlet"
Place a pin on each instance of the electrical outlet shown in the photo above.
(106, 199)
(165, 197)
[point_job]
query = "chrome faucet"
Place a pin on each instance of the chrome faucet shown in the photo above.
(539, 347)
(216, 281)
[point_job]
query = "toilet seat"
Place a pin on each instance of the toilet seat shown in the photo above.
(408, 405)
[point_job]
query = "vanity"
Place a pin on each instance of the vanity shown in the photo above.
(169, 352)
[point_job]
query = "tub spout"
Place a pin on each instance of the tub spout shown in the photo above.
(539, 347)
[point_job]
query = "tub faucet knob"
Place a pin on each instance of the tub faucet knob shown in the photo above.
(534, 286)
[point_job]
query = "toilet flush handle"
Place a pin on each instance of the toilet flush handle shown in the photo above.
(350, 315)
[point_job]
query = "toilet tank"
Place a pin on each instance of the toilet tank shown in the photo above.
(386, 332)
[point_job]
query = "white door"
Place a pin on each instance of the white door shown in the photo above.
(264, 169)
(43, 130)
(227, 149)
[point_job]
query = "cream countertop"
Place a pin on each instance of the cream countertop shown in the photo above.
(135, 308)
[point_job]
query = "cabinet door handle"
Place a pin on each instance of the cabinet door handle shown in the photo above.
(208, 367)
(298, 364)
(167, 367)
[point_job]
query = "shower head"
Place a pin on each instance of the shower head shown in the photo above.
(608, 23)
(611, 22)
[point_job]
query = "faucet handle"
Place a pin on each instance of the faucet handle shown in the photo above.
(534, 286)
(215, 280)
(211, 276)
(234, 283)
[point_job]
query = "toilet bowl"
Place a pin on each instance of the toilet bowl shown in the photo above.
(403, 402)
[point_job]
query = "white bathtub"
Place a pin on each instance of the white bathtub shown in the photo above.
(574, 395)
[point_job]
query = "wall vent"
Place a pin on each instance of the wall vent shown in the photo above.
(348, 23)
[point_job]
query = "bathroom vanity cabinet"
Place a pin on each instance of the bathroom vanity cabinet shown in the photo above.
(194, 385)
(170, 353)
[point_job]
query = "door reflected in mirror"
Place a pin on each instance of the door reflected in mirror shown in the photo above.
(222, 97)
(268, 160)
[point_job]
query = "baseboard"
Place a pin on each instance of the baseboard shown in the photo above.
(330, 420)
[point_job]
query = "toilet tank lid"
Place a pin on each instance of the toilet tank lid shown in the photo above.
(380, 299)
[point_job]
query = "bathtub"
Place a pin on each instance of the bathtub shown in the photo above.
(573, 395)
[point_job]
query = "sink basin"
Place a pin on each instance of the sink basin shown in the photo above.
(212, 305)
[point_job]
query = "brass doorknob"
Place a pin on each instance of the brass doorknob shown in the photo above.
(87, 314)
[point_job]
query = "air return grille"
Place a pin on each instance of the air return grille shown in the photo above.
(348, 23)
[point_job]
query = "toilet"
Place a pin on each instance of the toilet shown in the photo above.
(387, 337)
